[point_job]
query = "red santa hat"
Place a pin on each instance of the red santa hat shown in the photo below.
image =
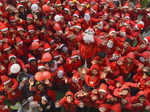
(140, 25)
(20, 28)
(47, 47)
(46, 8)
(3, 28)
(123, 29)
(78, 25)
(57, 27)
(36, 39)
(19, 5)
(144, 56)
(58, 3)
(117, 15)
(112, 30)
(111, 5)
(67, 8)
(120, 79)
(103, 88)
(31, 28)
(69, 93)
(112, 19)
(29, 16)
(11, 56)
(12, 19)
(34, 1)
(46, 57)
(75, 53)
(31, 58)
(5, 80)
(35, 45)
(70, 2)
(76, 14)
(138, 5)
(18, 41)
(131, 55)
(126, 5)
(87, 12)
(55, 54)
(6, 47)
(94, 8)
(46, 1)
(103, 1)
(127, 16)
(41, 66)
(95, 66)
(147, 39)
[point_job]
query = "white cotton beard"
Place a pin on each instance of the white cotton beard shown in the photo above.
(110, 44)
(88, 38)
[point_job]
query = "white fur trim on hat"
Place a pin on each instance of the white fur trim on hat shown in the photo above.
(44, 98)
(30, 59)
(102, 90)
(19, 6)
(41, 67)
(76, 26)
(125, 7)
(146, 40)
(48, 49)
(20, 29)
(11, 57)
(20, 43)
(75, 56)
(57, 18)
(6, 49)
(66, 9)
(36, 40)
(4, 29)
(75, 15)
(93, 10)
(112, 32)
(62, 45)
(31, 30)
(6, 82)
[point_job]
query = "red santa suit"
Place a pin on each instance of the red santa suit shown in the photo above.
(15, 93)
(32, 69)
(18, 61)
(69, 107)
(87, 45)
(75, 83)
(92, 81)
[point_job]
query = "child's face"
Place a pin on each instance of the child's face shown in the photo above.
(69, 99)
(94, 72)
(43, 101)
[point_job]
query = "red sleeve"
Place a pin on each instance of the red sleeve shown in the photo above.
(130, 84)
(15, 84)
(116, 92)
(62, 101)
(77, 102)
(95, 20)
(21, 63)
